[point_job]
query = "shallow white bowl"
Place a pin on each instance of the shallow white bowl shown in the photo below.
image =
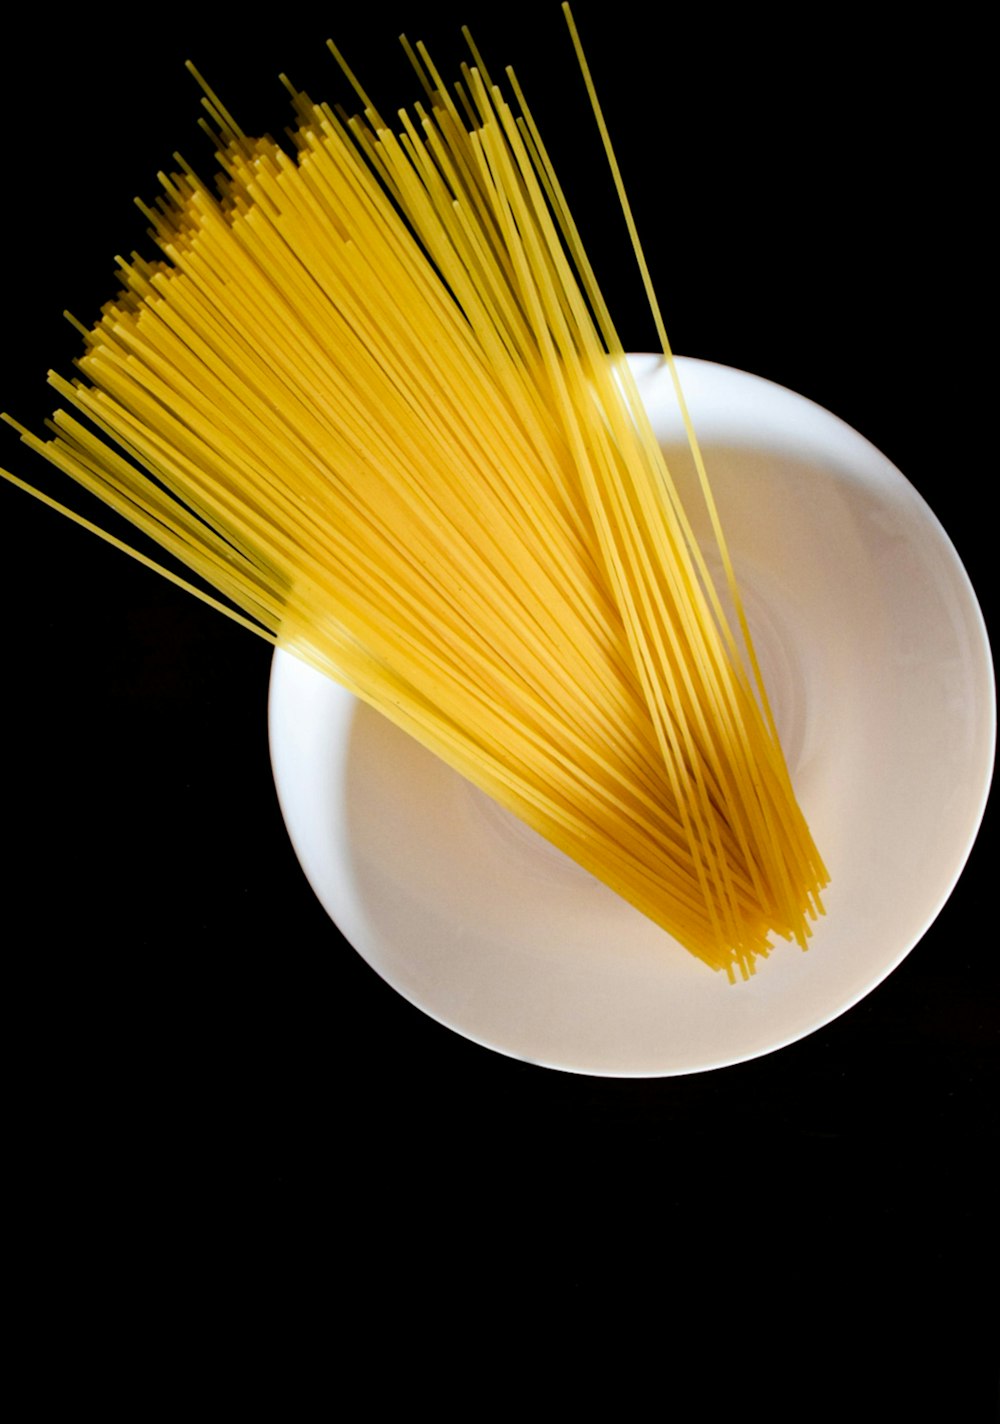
(878, 665)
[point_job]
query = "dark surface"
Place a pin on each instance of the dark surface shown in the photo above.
(193, 1043)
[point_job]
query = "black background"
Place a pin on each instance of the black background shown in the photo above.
(196, 1055)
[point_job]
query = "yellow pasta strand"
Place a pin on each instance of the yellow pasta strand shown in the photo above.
(371, 393)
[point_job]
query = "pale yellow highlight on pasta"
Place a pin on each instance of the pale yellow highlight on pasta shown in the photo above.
(362, 394)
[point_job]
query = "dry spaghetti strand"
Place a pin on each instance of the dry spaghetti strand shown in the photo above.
(363, 394)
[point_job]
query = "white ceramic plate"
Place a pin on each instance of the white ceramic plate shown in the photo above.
(878, 666)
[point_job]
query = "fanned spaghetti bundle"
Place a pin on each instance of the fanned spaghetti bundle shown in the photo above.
(371, 393)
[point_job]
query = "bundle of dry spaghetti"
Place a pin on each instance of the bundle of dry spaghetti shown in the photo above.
(370, 392)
